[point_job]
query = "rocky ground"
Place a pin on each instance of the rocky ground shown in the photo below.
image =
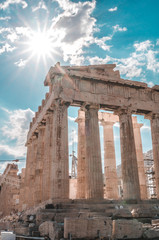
(87, 220)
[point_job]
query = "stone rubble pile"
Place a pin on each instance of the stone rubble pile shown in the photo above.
(86, 220)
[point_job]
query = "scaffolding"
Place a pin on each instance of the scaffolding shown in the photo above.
(74, 158)
(150, 177)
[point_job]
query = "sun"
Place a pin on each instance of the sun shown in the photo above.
(40, 44)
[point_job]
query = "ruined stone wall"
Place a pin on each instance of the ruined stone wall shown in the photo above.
(9, 191)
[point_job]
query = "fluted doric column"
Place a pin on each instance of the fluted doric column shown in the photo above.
(27, 177)
(59, 154)
(32, 170)
(155, 144)
(140, 159)
(46, 185)
(94, 177)
(39, 165)
(111, 179)
(81, 168)
(131, 188)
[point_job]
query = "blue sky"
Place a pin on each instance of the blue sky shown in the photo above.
(74, 33)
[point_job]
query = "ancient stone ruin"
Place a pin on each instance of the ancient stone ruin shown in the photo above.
(98, 211)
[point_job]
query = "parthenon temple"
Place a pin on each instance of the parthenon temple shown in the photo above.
(104, 99)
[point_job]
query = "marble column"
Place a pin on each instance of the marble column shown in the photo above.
(110, 173)
(155, 145)
(27, 177)
(39, 164)
(131, 188)
(81, 168)
(140, 159)
(94, 176)
(47, 157)
(32, 167)
(59, 153)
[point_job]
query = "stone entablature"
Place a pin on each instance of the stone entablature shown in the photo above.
(92, 88)
(79, 86)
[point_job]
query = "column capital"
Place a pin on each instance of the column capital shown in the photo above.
(81, 116)
(41, 125)
(137, 125)
(106, 123)
(123, 111)
(151, 116)
(89, 106)
(60, 102)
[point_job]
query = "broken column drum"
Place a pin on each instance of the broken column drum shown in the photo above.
(87, 87)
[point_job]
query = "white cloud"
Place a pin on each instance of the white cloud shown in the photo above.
(73, 137)
(150, 84)
(143, 58)
(12, 36)
(145, 128)
(9, 2)
(41, 5)
(152, 62)
(101, 42)
(71, 118)
(6, 48)
(157, 42)
(143, 46)
(14, 132)
(117, 125)
(117, 28)
(3, 166)
(5, 18)
(69, 29)
(113, 9)
(21, 63)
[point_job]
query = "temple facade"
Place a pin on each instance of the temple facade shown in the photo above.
(92, 88)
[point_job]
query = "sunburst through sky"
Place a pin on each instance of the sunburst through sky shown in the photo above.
(34, 35)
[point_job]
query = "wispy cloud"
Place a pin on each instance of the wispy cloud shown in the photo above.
(71, 118)
(41, 5)
(113, 9)
(21, 63)
(145, 128)
(5, 18)
(6, 48)
(7, 3)
(143, 58)
(14, 132)
(117, 28)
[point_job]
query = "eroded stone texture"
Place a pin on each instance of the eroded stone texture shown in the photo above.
(155, 144)
(39, 165)
(131, 188)
(10, 189)
(59, 155)
(94, 178)
(140, 160)
(86, 86)
(110, 161)
(81, 169)
(87, 227)
(32, 185)
(46, 188)
(127, 229)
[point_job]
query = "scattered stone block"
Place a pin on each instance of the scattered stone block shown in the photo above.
(127, 229)
(22, 231)
(155, 222)
(122, 213)
(151, 233)
(87, 227)
(51, 229)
